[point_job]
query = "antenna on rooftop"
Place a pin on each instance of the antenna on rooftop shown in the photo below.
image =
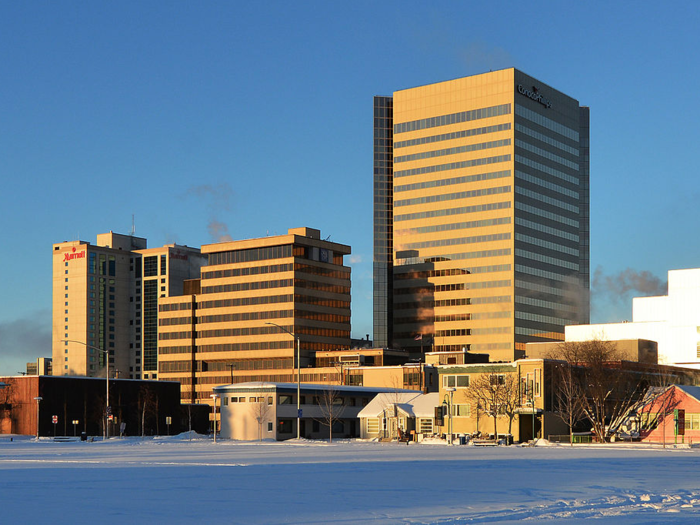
(132, 232)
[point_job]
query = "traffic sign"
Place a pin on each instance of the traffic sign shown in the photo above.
(299, 413)
(54, 419)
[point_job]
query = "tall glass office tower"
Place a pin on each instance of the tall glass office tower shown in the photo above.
(481, 215)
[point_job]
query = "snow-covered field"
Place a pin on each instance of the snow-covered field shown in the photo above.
(176, 480)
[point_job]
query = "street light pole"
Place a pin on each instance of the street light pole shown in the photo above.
(451, 390)
(38, 400)
(106, 352)
(298, 375)
(214, 396)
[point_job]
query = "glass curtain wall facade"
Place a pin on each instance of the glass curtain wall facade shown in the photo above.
(489, 215)
(383, 223)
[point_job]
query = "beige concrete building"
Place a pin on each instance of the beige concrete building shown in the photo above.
(481, 206)
(530, 377)
(260, 410)
(234, 325)
(105, 302)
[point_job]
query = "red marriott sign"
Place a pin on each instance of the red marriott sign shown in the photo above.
(69, 256)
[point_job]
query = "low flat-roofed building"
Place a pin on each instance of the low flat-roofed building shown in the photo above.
(78, 405)
(409, 376)
(260, 410)
(456, 357)
(635, 350)
(362, 357)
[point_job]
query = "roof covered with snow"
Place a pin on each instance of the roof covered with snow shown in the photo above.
(412, 404)
(305, 387)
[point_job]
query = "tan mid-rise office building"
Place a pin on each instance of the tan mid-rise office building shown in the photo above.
(235, 324)
(481, 206)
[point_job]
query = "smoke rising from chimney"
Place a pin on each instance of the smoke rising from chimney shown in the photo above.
(218, 199)
(618, 286)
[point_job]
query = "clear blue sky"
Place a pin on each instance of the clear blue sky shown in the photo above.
(258, 115)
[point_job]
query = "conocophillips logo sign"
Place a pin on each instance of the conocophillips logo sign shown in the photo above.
(535, 95)
(69, 256)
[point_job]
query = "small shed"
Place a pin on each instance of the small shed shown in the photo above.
(395, 415)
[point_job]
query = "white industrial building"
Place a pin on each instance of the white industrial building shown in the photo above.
(672, 320)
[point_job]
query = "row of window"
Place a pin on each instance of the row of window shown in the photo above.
(546, 122)
(452, 211)
(422, 290)
(546, 184)
(546, 199)
(546, 259)
(493, 330)
(250, 255)
(454, 226)
(452, 181)
(548, 319)
(541, 288)
(452, 271)
(265, 345)
(547, 229)
(452, 166)
(546, 169)
(546, 154)
(541, 303)
(174, 307)
(457, 317)
(546, 244)
(452, 136)
(460, 240)
(247, 301)
(453, 151)
(546, 214)
(537, 332)
(265, 378)
(453, 256)
(464, 301)
(453, 118)
(243, 287)
(228, 365)
(546, 275)
(547, 139)
(453, 196)
(277, 268)
(255, 270)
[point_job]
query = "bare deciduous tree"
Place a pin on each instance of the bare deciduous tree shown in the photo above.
(261, 412)
(6, 403)
(568, 395)
(487, 391)
(608, 391)
(510, 398)
(146, 405)
(331, 405)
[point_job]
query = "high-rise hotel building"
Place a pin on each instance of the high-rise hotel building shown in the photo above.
(235, 323)
(481, 215)
(105, 303)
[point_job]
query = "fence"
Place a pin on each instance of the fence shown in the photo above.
(564, 438)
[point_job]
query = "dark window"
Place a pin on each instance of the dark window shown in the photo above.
(150, 266)
(284, 426)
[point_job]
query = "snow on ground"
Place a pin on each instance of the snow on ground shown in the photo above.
(181, 481)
